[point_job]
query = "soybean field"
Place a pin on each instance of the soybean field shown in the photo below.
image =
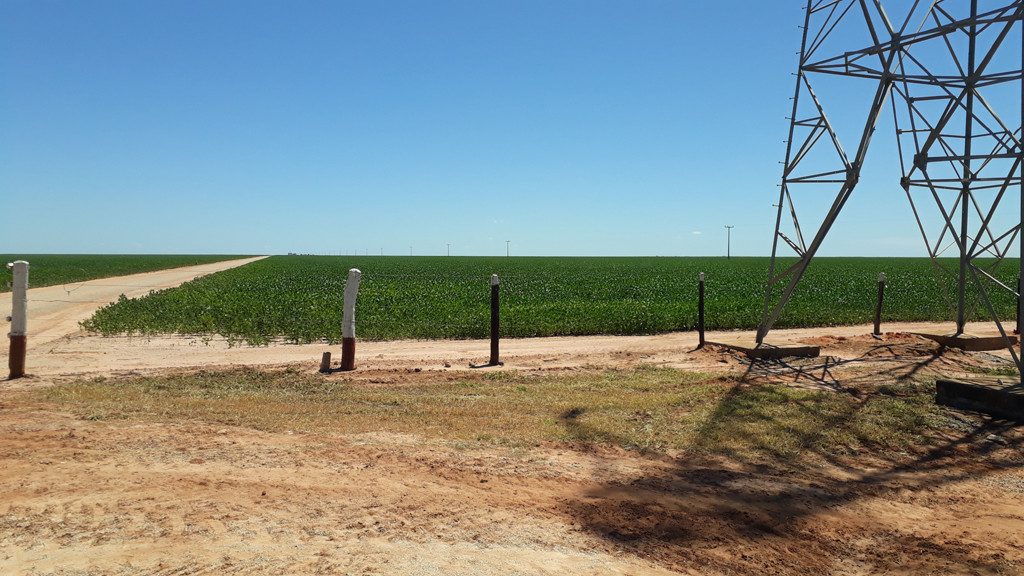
(299, 298)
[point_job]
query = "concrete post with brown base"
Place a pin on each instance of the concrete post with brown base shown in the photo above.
(19, 318)
(348, 326)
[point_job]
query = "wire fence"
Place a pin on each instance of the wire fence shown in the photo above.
(301, 300)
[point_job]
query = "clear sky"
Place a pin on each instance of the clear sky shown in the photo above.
(569, 127)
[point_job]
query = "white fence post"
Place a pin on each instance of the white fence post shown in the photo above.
(348, 322)
(19, 318)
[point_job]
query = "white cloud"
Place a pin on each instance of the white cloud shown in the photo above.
(697, 232)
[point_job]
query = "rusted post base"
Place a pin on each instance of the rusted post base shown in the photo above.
(16, 362)
(348, 353)
(325, 362)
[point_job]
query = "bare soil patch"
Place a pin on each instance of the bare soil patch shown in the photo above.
(79, 496)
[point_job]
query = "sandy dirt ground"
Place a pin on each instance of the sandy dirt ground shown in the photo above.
(88, 497)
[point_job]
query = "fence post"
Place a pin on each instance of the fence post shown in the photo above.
(878, 309)
(494, 320)
(700, 310)
(348, 322)
(19, 319)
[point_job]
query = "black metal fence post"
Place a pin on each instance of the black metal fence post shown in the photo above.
(494, 320)
(700, 310)
(878, 309)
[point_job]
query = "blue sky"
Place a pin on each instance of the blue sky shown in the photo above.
(578, 128)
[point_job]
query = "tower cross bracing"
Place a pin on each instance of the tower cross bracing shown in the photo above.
(948, 74)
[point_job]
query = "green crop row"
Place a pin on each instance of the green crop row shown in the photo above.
(299, 298)
(56, 269)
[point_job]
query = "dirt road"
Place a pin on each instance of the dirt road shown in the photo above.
(55, 311)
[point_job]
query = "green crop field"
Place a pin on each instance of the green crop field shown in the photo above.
(56, 269)
(299, 298)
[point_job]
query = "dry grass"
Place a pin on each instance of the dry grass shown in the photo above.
(647, 408)
(783, 421)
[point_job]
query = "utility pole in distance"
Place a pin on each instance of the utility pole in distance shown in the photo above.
(728, 242)
(506, 248)
(449, 249)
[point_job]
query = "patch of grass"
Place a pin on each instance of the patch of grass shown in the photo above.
(648, 408)
(782, 421)
(1009, 370)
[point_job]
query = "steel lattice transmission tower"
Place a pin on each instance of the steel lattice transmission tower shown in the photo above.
(949, 73)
